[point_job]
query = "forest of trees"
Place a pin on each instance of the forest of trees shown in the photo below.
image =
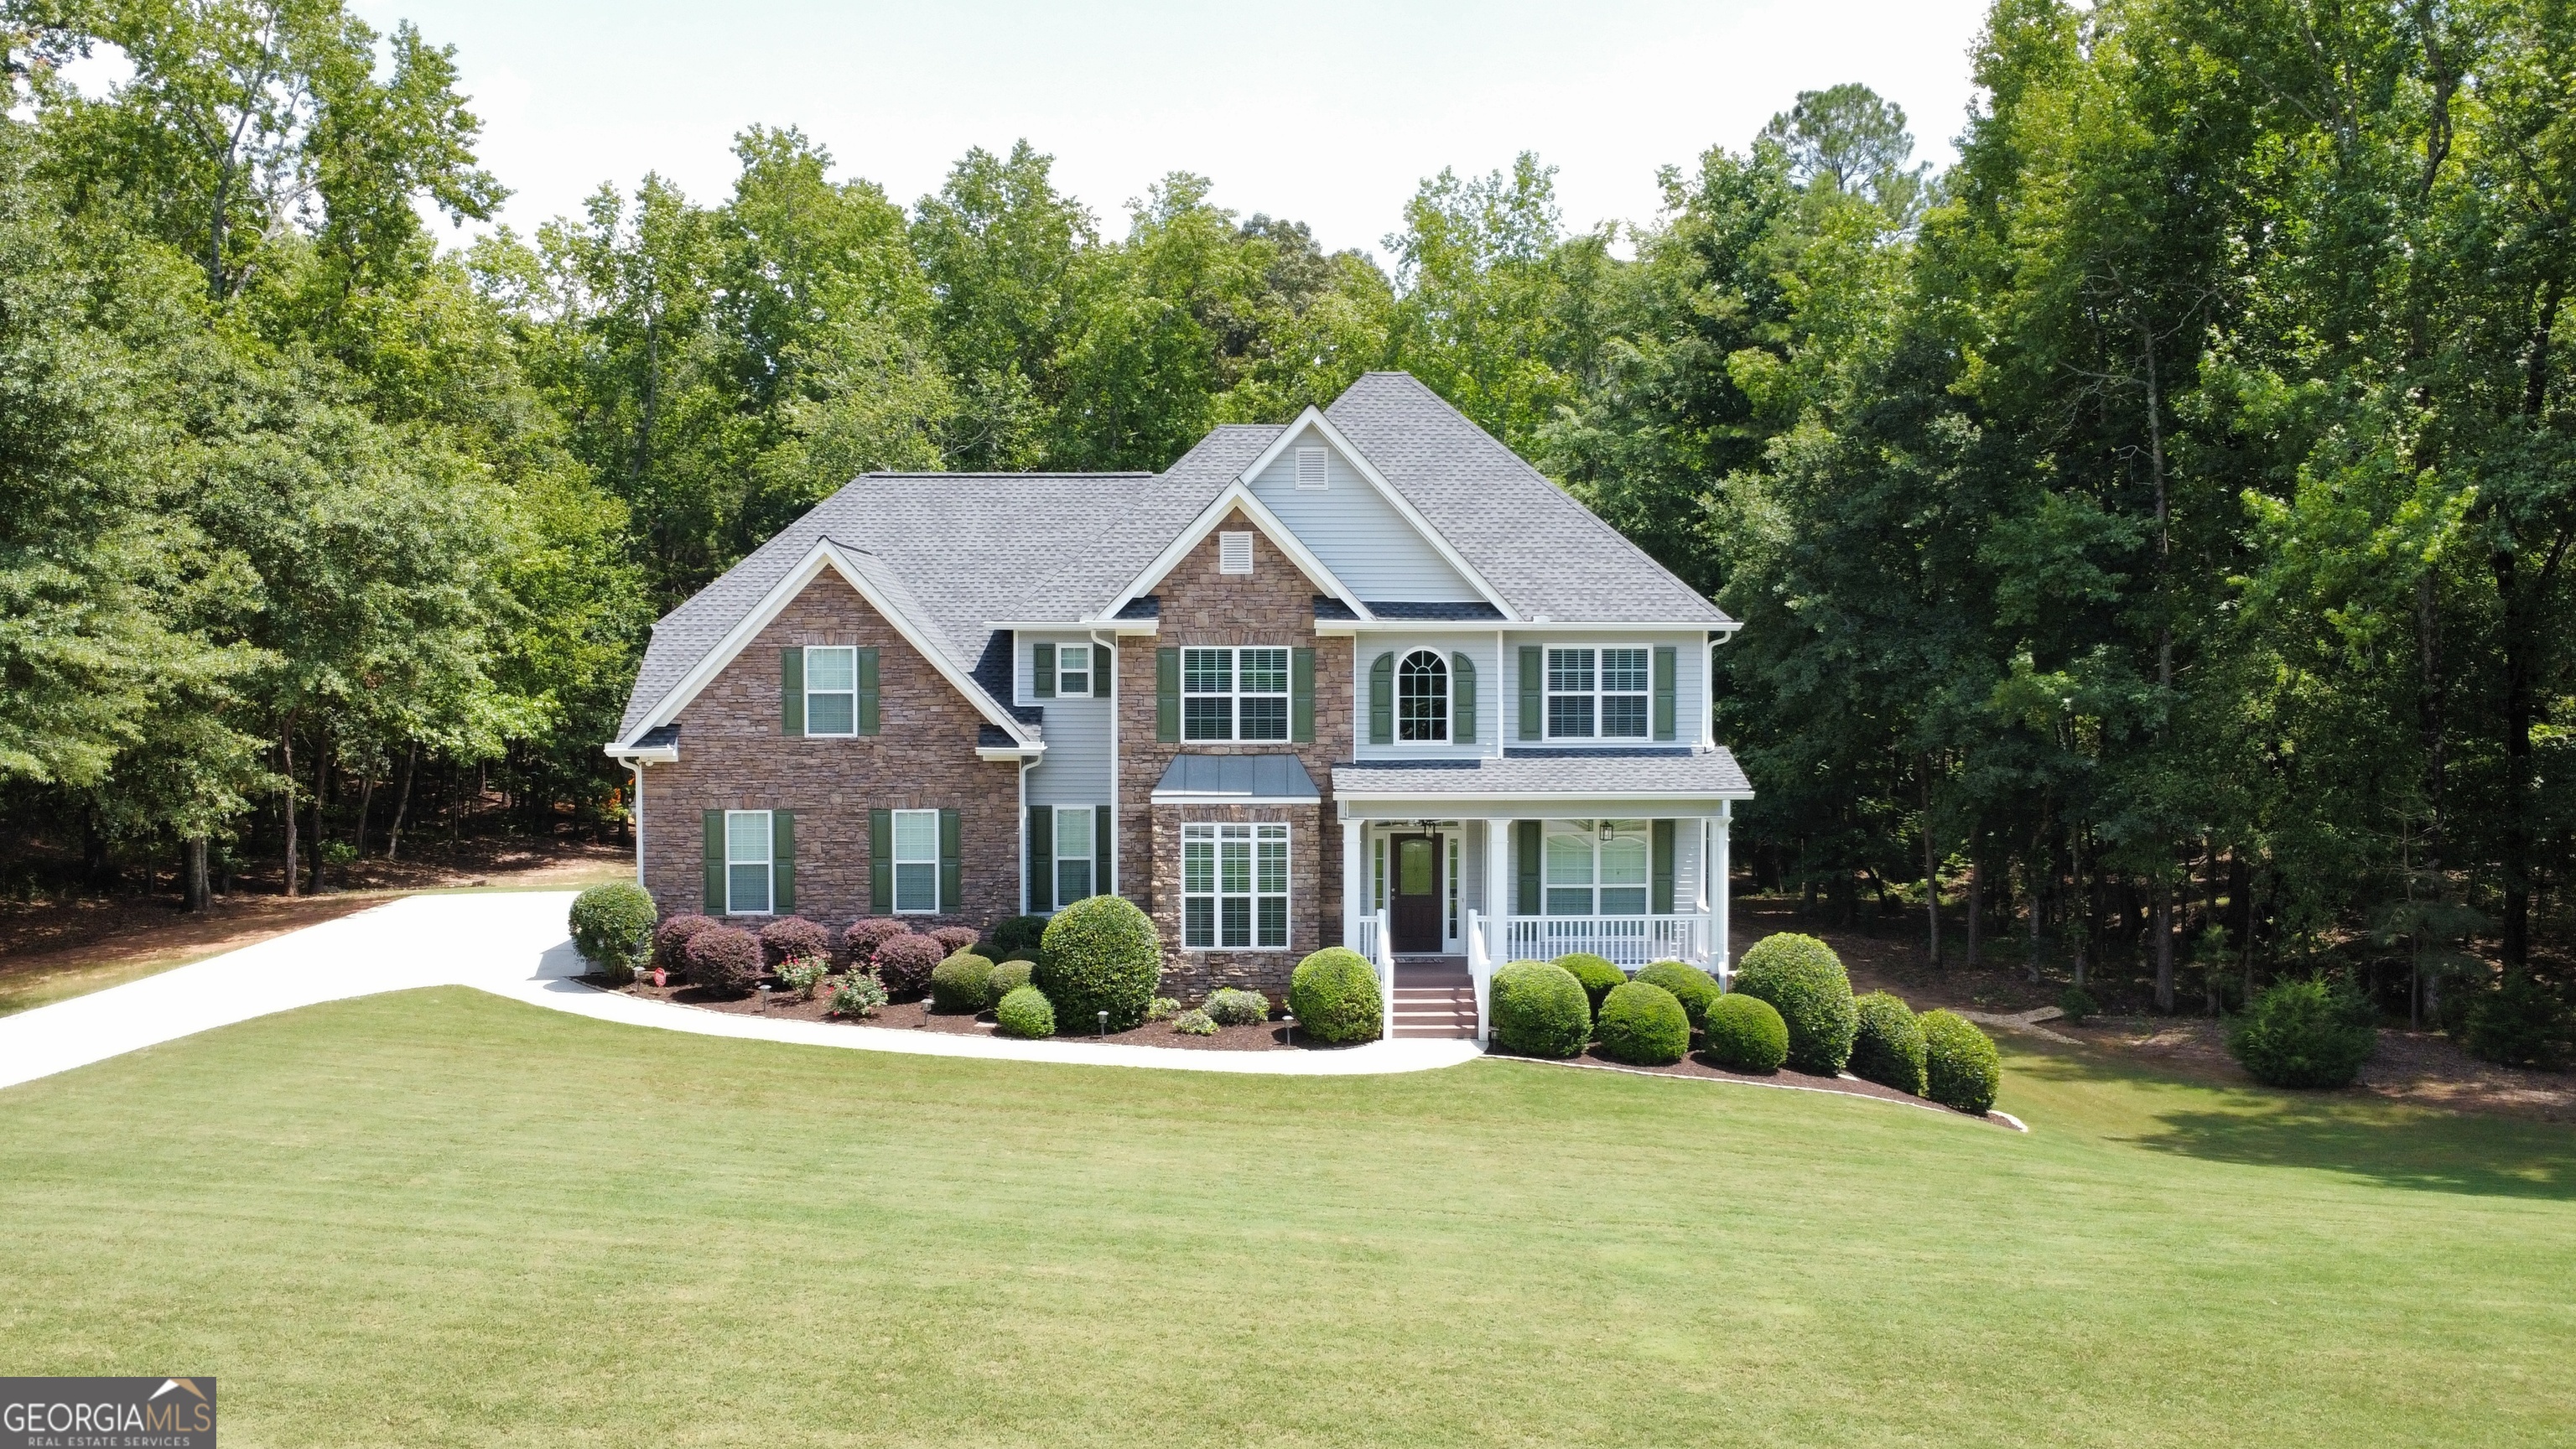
(2150, 532)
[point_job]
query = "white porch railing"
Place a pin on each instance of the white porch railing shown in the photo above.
(1627, 942)
(1374, 943)
(1480, 966)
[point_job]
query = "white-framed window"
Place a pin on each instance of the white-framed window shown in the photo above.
(831, 690)
(1234, 887)
(1073, 854)
(1234, 553)
(1073, 669)
(1453, 885)
(916, 862)
(1234, 694)
(1600, 694)
(1597, 867)
(1422, 699)
(747, 863)
(1311, 476)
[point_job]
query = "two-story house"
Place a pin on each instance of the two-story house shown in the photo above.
(1366, 678)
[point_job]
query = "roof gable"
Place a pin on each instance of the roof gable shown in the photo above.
(1363, 529)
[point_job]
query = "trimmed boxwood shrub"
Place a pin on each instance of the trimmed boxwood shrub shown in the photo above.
(794, 936)
(1744, 1034)
(1100, 954)
(671, 943)
(1333, 994)
(1695, 989)
(1961, 1069)
(1888, 1048)
(612, 928)
(1013, 935)
(1803, 980)
(2304, 1034)
(724, 960)
(1644, 1025)
(1228, 1006)
(963, 982)
(1025, 1012)
(1598, 976)
(904, 964)
(1008, 976)
(1540, 1010)
(860, 942)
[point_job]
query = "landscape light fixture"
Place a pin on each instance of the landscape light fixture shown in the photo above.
(1104, 1026)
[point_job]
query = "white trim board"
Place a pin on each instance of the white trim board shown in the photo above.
(1237, 494)
(827, 554)
(1313, 417)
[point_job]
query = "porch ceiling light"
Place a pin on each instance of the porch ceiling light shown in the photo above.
(1605, 832)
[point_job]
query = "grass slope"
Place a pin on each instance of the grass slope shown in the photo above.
(440, 1218)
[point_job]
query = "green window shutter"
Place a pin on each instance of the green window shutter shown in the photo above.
(867, 691)
(715, 905)
(881, 862)
(1104, 822)
(791, 691)
(1525, 846)
(1301, 696)
(1046, 670)
(1533, 691)
(951, 873)
(1659, 896)
(782, 861)
(1666, 658)
(1167, 695)
(1041, 858)
(1382, 700)
(1462, 700)
(1100, 667)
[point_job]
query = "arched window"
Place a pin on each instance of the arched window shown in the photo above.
(1422, 699)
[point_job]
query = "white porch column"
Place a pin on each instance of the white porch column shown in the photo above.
(1719, 949)
(1354, 882)
(1499, 904)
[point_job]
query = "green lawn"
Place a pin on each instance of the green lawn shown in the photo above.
(441, 1218)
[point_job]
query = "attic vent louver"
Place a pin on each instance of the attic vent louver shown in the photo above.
(1310, 469)
(1234, 553)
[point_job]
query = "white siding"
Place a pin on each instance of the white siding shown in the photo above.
(1075, 770)
(1690, 682)
(1358, 533)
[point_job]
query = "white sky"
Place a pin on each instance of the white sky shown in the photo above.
(1329, 113)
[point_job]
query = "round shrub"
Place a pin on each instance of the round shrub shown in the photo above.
(1333, 994)
(1744, 1034)
(860, 942)
(1644, 1025)
(1025, 1012)
(1013, 935)
(2075, 1003)
(1598, 976)
(1194, 1022)
(2303, 1034)
(1803, 980)
(1540, 1010)
(963, 982)
(794, 936)
(671, 943)
(904, 964)
(1099, 955)
(724, 960)
(612, 928)
(2516, 1024)
(1227, 1006)
(1961, 1069)
(1695, 989)
(1008, 976)
(1888, 1048)
(954, 939)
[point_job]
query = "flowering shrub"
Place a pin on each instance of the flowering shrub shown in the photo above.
(802, 975)
(859, 994)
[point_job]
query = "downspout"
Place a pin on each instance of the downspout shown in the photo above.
(638, 767)
(1026, 765)
(1117, 805)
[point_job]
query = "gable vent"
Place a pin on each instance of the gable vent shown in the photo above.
(1310, 469)
(1234, 553)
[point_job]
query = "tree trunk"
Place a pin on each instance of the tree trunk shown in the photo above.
(321, 778)
(2517, 714)
(366, 802)
(286, 768)
(1931, 872)
(1976, 908)
(2162, 926)
(402, 801)
(192, 873)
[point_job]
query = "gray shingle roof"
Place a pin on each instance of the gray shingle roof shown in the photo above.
(1249, 777)
(953, 550)
(1541, 550)
(1712, 773)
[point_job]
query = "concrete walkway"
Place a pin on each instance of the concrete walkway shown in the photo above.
(514, 944)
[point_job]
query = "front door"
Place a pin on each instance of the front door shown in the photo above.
(1413, 905)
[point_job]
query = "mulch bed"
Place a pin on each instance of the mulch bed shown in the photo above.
(917, 1016)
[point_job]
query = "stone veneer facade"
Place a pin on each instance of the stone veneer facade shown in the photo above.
(735, 756)
(1273, 605)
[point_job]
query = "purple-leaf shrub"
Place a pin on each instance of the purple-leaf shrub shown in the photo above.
(724, 960)
(904, 964)
(792, 936)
